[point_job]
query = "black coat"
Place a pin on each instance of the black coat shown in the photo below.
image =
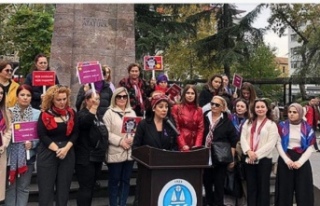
(223, 132)
(92, 143)
(105, 98)
(147, 134)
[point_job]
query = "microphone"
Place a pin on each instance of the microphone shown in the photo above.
(167, 120)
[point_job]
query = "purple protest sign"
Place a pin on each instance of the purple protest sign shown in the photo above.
(237, 81)
(24, 131)
(89, 73)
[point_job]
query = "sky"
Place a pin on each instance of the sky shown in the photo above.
(270, 38)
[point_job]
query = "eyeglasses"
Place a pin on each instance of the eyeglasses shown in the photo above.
(293, 112)
(215, 104)
(122, 96)
(8, 70)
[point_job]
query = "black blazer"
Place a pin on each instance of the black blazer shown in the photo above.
(147, 134)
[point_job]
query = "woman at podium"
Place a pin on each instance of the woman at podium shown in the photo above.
(158, 129)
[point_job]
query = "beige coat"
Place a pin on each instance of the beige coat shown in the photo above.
(6, 138)
(113, 121)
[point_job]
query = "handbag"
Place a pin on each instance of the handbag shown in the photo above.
(221, 153)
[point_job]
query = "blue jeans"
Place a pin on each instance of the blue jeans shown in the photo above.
(17, 194)
(119, 182)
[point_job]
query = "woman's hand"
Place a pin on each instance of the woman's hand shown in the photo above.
(62, 152)
(124, 144)
(231, 166)
(252, 156)
(296, 165)
(290, 164)
(185, 148)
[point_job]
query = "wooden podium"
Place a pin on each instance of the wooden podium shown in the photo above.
(168, 178)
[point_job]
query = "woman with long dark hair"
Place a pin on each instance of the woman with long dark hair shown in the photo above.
(40, 63)
(188, 117)
(259, 135)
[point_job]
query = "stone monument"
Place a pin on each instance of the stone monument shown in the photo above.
(92, 32)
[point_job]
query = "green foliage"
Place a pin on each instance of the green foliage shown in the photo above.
(156, 30)
(303, 19)
(29, 30)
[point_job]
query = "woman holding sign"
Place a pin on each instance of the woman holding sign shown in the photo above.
(118, 158)
(58, 132)
(22, 154)
(40, 64)
(5, 137)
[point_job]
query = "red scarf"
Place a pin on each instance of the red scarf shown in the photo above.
(50, 123)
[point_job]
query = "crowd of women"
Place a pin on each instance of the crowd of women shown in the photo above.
(80, 141)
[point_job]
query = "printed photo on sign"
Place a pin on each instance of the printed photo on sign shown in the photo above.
(153, 63)
(129, 124)
(24, 131)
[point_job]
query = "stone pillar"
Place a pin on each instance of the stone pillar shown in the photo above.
(85, 32)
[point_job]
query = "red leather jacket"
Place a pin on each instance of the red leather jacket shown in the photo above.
(189, 122)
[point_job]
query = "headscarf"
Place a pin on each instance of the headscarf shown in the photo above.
(162, 78)
(307, 134)
(300, 112)
(158, 98)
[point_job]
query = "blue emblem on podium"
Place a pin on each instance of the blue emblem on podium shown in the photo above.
(177, 192)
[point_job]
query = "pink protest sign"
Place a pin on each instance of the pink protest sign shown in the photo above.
(237, 81)
(24, 131)
(43, 78)
(89, 73)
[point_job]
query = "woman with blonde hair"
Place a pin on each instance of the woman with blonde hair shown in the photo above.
(118, 157)
(217, 128)
(58, 132)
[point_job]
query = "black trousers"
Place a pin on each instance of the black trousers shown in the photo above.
(214, 176)
(87, 175)
(54, 173)
(258, 182)
(290, 182)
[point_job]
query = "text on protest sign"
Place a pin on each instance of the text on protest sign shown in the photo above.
(43, 78)
(153, 63)
(24, 131)
(89, 73)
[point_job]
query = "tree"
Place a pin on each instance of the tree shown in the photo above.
(29, 30)
(155, 29)
(230, 43)
(180, 57)
(304, 21)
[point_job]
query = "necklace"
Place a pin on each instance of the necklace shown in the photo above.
(65, 120)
